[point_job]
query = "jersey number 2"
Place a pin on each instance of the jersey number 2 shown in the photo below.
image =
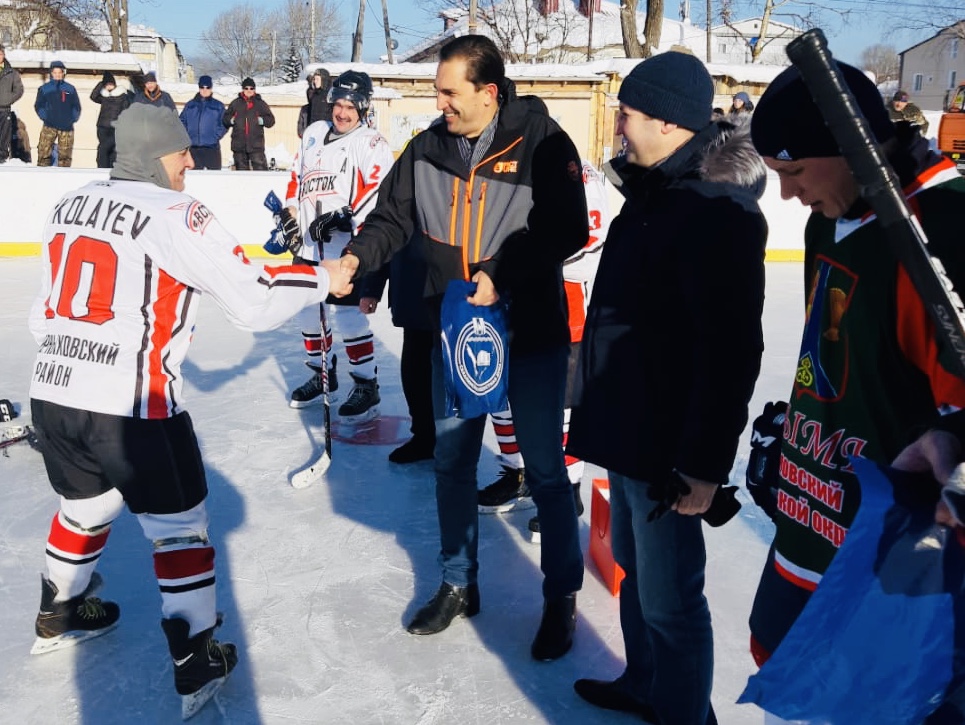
(88, 280)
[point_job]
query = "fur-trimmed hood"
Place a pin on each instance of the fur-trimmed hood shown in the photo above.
(720, 158)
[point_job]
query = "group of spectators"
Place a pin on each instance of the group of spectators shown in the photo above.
(205, 118)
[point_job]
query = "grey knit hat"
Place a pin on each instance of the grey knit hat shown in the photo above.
(674, 87)
(144, 133)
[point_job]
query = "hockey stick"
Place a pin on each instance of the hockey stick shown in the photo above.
(305, 478)
(880, 187)
(17, 434)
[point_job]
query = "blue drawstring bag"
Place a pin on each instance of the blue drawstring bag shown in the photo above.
(875, 642)
(475, 353)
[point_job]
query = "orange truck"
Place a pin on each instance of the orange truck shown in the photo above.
(951, 129)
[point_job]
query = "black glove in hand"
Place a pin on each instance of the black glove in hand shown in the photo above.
(340, 219)
(763, 466)
(723, 507)
(289, 231)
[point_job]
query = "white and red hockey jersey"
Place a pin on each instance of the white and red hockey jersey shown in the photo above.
(330, 172)
(124, 266)
(579, 270)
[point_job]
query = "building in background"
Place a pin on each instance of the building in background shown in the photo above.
(932, 69)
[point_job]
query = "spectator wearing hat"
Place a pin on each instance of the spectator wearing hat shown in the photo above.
(248, 116)
(692, 188)
(202, 120)
(902, 110)
(58, 106)
(112, 100)
(11, 90)
(740, 106)
(152, 93)
(318, 108)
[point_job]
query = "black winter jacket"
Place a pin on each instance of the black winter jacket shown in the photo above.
(242, 117)
(516, 216)
(673, 341)
(111, 102)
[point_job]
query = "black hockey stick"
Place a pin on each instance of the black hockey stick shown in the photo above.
(314, 472)
(880, 187)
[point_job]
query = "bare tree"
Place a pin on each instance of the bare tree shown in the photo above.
(47, 24)
(652, 27)
(628, 25)
(238, 39)
(882, 60)
(802, 14)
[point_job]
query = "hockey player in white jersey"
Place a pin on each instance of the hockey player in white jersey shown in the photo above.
(125, 263)
(335, 181)
(509, 492)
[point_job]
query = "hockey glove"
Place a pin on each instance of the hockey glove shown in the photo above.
(289, 230)
(276, 243)
(340, 219)
(763, 466)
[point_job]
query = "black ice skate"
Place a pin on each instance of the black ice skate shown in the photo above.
(509, 492)
(311, 392)
(64, 624)
(362, 403)
(201, 664)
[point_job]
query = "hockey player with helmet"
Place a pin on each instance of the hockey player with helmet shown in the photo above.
(114, 319)
(335, 182)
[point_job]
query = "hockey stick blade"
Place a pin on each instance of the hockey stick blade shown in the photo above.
(880, 187)
(273, 203)
(312, 474)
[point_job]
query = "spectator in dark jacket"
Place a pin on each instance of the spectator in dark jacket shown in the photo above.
(740, 105)
(11, 89)
(202, 120)
(248, 116)
(318, 108)
(58, 106)
(112, 100)
(152, 93)
(682, 271)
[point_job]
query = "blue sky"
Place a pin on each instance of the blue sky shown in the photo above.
(184, 20)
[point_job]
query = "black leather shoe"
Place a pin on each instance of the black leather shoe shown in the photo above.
(555, 635)
(610, 695)
(447, 604)
(415, 449)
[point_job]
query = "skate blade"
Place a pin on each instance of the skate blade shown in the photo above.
(43, 645)
(535, 538)
(191, 704)
(307, 403)
(312, 474)
(370, 414)
(517, 504)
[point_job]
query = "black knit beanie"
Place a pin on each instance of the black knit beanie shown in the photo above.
(788, 126)
(674, 87)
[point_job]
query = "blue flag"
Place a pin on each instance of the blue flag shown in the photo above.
(875, 642)
(475, 354)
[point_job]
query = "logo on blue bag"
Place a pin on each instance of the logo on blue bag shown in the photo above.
(479, 356)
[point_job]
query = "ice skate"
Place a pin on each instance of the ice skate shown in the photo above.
(509, 492)
(311, 392)
(61, 625)
(201, 664)
(362, 403)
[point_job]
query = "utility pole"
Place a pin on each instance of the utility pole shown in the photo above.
(589, 32)
(385, 23)
(357, 39)
(710, 12)
(311, 22)
(274, 50)
(472, 17)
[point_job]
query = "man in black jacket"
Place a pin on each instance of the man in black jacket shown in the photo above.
(248, 116)
(11, 90)
(519, 211)
(112, 101)
(673, 339)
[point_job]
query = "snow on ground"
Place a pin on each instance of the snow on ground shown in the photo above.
(317, 584)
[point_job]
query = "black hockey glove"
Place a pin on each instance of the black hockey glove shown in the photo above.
(723, 507)
(338, 220)
(289, 231)
(763, 466)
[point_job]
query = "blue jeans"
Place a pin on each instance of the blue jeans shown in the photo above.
(536, 386)
(663, 611)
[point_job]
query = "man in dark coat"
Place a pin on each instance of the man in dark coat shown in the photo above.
(671, 351)
(248, 116)
(152, 94)
(112, 101)
(11, 90)
(202, 120)
(318, 107)
(58, 106)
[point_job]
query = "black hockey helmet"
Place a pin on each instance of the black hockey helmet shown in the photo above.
(355, 87)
